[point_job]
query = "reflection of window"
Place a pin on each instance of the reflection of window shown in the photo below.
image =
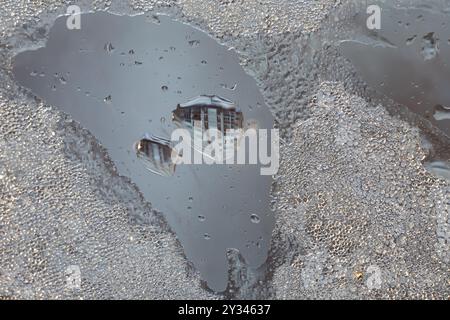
(156, 154)
(207, 113)
(212, 112)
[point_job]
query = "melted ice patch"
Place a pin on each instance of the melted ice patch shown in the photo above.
(122, 77)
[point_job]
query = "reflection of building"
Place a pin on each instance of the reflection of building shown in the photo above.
(156, 154)
(209, 112)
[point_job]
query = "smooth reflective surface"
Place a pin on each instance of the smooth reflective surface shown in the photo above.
(122, 77)
(408, 60)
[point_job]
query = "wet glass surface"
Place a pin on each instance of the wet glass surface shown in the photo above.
(122, 77)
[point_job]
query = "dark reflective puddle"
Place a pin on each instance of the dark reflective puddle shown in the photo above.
(131, 82)
(408, 60)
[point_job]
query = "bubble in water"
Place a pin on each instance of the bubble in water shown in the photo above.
(163, 120)
(164, 88)
(204, 62)
(254, 218)
(107, 99)
(201, 218)
(207, 236)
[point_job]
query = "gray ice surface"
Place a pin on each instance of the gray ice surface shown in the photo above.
(358, 215)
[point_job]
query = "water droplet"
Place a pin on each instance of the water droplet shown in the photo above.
(441, 113)
(191, 199)
(131, 51)
(411, 40)
(201, 218)
(204, 62)
(254, 218)
(207, 236)
(34, 73)
(232, 88)
(194, 43)
(107, 99)
(164, 88)
(109, 48)
(163, 120)
(62, 80)
(154, 19)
